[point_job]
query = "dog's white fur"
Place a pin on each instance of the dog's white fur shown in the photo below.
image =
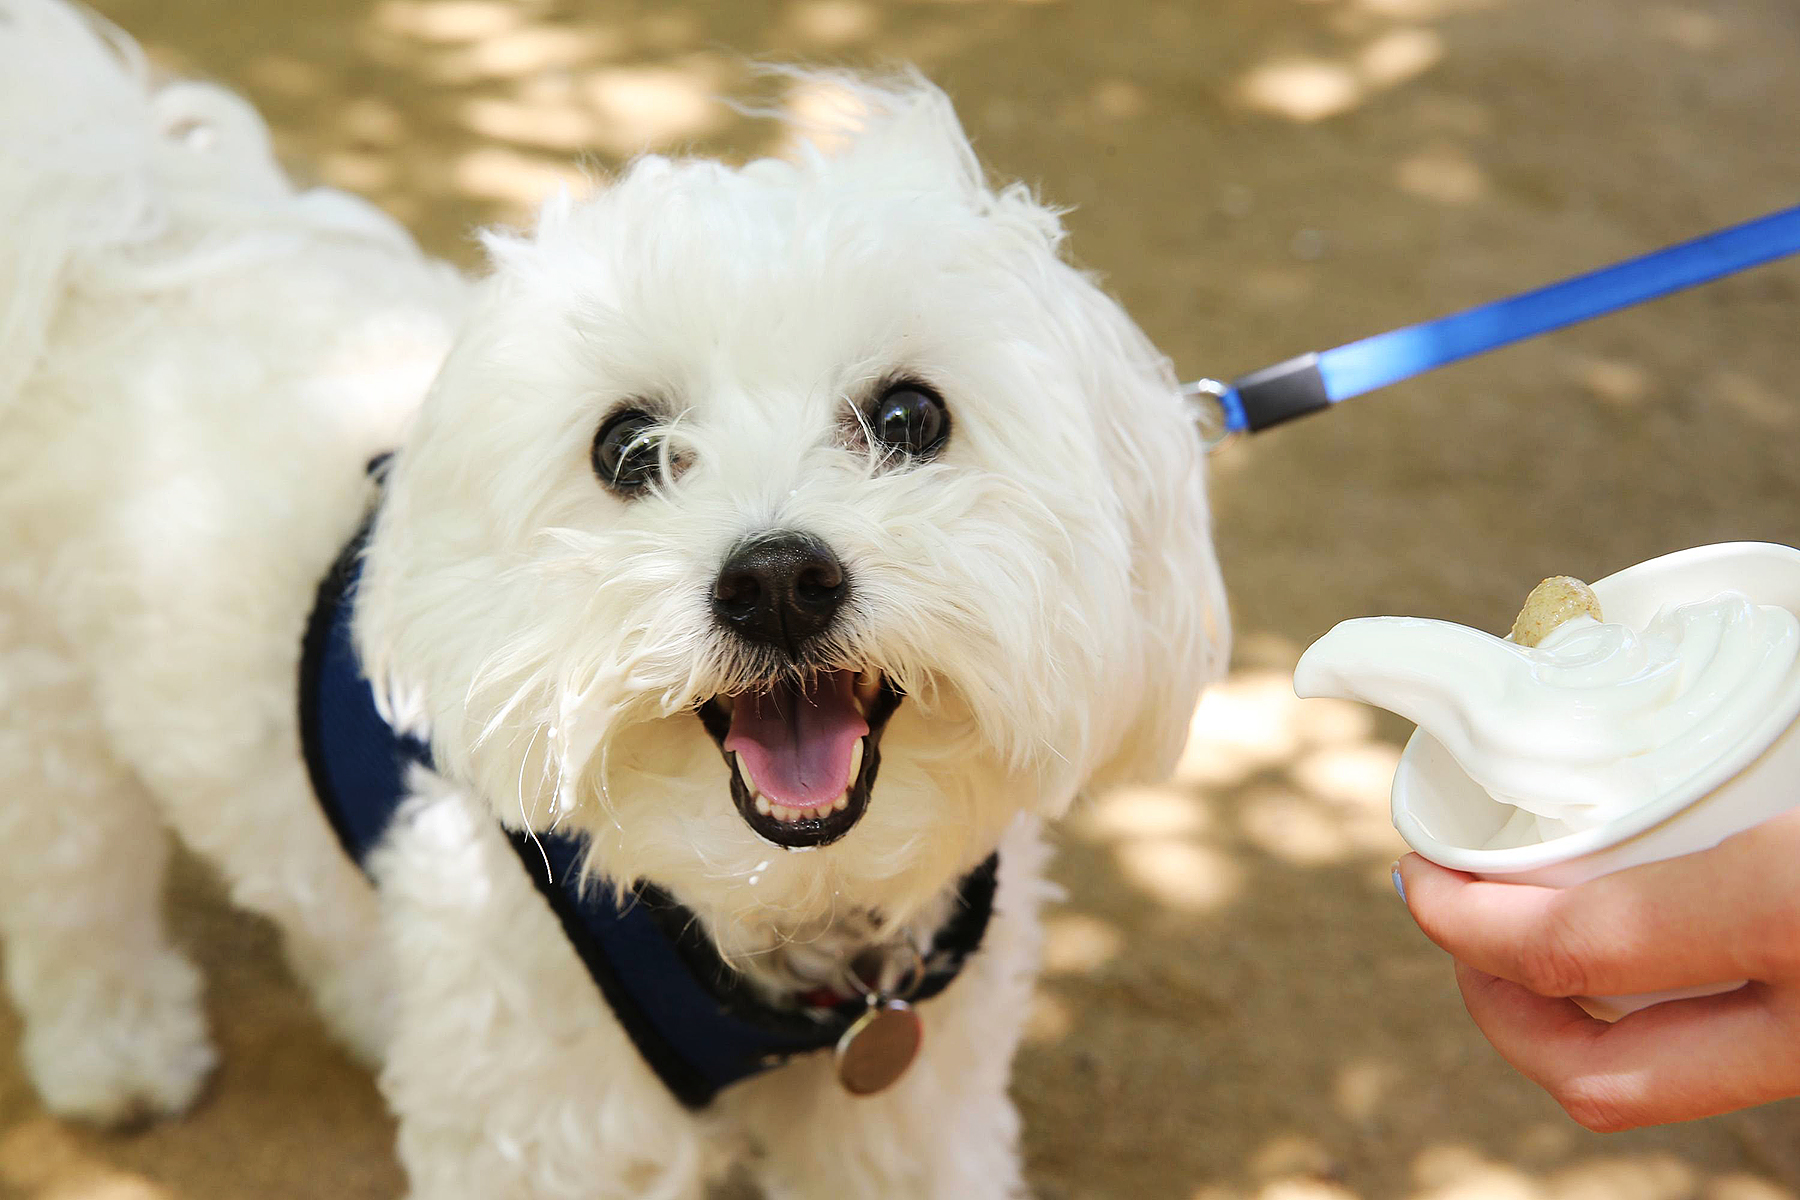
(195, 363)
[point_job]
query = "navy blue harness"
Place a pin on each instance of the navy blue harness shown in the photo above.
(696, 1021)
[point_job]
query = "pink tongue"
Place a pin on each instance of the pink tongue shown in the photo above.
(797, 744)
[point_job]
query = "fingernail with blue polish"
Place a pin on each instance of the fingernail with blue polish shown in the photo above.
(1399, 885)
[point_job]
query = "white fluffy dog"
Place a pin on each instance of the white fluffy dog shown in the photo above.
(790, 537)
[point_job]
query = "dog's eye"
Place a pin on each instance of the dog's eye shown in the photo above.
(910, 418)
(628, 450)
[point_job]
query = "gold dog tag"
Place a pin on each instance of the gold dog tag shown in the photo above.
(877, 1049)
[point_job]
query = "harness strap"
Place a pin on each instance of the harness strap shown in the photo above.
(694, 1020)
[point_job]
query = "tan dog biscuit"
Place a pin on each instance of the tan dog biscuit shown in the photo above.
(1552, 602)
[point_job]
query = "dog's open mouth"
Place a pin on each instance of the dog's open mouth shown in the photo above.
(803, 753)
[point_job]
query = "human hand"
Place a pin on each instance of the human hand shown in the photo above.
(1732, 912)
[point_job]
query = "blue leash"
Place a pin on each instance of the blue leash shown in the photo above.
(1318, 380)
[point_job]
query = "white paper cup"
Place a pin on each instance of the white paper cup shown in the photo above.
(1446, 817)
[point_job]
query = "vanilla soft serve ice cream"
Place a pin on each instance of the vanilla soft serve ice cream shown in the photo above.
(1650, 715)
(1597, 720)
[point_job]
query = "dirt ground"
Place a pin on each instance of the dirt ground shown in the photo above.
(1236, 1006)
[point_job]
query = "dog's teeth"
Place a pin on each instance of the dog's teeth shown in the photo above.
(867, 685)
(841, 803)
(744, 774)
(856, 757)
(762, 805)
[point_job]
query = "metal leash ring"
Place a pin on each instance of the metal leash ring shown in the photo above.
(1206, 400)
(900, 987)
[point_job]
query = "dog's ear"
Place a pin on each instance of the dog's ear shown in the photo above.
(1184, 625)
(1183, 620)
(902, 132)
(1179, 639)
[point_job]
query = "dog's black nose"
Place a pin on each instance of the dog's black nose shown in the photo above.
(779, 589)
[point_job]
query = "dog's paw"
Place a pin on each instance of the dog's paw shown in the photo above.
(138, 1051)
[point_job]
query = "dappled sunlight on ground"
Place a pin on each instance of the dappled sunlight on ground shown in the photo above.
(1235, 1006)
(1301, 780)
(1457, 1172)
(41, 1159)
(1312, 87)
(547, 93)
(1444, 173)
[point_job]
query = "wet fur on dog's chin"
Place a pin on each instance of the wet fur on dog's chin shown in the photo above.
(1043, 590)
